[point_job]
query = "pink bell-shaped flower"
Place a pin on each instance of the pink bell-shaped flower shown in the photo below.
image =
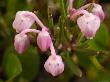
(88, 24)
(23, 21)
(54, 65)
(21, 43)
(43, 40)
(98, 11)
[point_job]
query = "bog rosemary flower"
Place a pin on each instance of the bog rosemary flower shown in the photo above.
(88, 24)
(98, 11)
(21, 43)
(54, 65)
(43, 40)
(22, 21)
(88, 21)
(22, 24)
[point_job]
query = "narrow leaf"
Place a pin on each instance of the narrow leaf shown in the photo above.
(72, 66)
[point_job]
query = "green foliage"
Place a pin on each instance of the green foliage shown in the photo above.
(78, 3)
(101, 40)
(1, 80)
(30, 64)
(12, 65)
(25, 65)
(73, 68)
(94, 47)
(92, 55)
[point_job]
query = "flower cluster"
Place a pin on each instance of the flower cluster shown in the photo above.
(88, 20)
(22, 24)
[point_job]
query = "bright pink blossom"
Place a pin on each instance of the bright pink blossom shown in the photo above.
(54, 65)
(21, 43)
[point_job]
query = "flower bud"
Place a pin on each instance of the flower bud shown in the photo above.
(54, 65)
(21, 43)
(43, 40)
(98, 11)
(22, 21)
(88, 24)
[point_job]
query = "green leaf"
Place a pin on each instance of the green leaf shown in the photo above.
(73, 67)
(84, 59)
(9, 5)
(88, 60)
(63, 8)
(101, 40)
(103, 76)
(96, 63)
(78, 3)
(30, 63)
(11, 65)
(1, 80)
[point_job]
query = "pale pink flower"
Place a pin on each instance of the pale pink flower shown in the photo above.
(43, 40)
(54, 65)
(23, 21)
(97, 10)
(88, 24)
(21, 43)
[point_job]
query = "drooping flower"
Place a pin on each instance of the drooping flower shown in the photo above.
(88, 24)
(98, 11)
(54, 65)
(23, 21)
(43, 40)
(21, 43)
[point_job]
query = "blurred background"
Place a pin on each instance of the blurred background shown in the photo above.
(80, 66)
